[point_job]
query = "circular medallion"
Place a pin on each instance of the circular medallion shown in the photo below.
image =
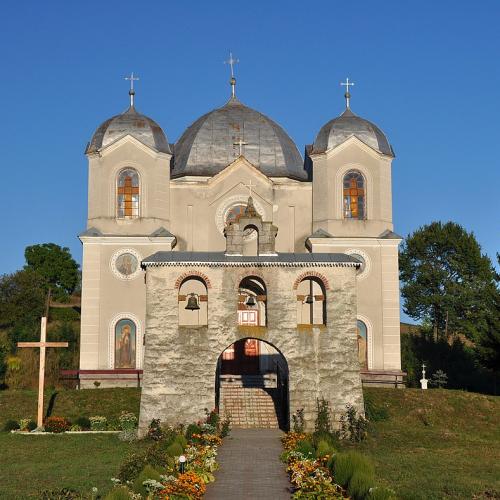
(125, 264)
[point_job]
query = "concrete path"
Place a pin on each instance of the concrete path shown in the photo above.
(250, 468)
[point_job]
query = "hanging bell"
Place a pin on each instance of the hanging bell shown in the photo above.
(192, 304)
(309, 299)
(251, 301)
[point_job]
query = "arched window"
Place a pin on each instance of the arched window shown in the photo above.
(127, 194)
(354, 196)
(193, 302)
(252, 302)
(125, 344)
(362, 345)
(311, 302)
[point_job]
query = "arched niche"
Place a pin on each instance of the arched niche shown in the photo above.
(193, 302)
(252, 302)
(311, 301)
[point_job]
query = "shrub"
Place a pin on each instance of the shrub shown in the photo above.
(305, 447)
(181, 440)
(131, 467)
(323, 417)
(157, 455)
(192, 429)
(298, 421)
(225, 425)
(154, 430)
(324, 449)
(352, 425)
(212, 418)
(75, 428)
(175, 450)
(127, 421)
(381, 493)
(31, 425)
(11, 425)
(83, 422)
(346, 464)
(359, 485)
(119, 493)
(98, 423)
(56, 424)
(329, 437)
(147, 473)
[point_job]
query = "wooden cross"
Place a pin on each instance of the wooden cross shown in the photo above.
(240, 143)
(43, 344)
(347, 84)
(127, 190)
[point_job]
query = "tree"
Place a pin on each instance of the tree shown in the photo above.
(57, 267)
(447, 281)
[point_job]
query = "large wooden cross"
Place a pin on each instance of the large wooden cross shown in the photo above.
(127, 190)
(43, 344)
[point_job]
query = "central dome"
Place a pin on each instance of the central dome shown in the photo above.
(210, 144)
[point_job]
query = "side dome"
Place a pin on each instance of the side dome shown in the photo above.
(210, 144)
(141, 127)
(336, 131)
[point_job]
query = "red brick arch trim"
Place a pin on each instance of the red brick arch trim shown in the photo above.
(254, 273)
(190, 274)
(311, 274)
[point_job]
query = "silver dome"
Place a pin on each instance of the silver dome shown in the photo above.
(338, 130)
(208, 145)
(132, 123)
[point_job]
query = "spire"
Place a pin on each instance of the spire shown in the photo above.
(131, 92)
(232, 61)
(347, 94)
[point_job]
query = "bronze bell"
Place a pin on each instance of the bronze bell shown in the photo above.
(309, 299)
(192, 304)
(251, 301)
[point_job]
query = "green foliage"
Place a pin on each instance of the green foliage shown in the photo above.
(56, 266)
(447, 281)
(98, 423)
(212, 418)
(148, 472)
(346, 464)
(323, 416)
(373, 411)
(11, 425)
(306, 448)
(83, 422)
(330, 437)
(225, 426)
(192, 429)
(154, 430)
(66, 314)
(353, 426)
(324, 448)
(56, 424)
(175, 449)
(360, 484)
(118, 493)
(381, 493)
(132, 466)
(298, 421)
(128, 421)
(179, 438)
(60, 494)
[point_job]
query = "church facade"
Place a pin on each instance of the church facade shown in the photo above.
(227, 253)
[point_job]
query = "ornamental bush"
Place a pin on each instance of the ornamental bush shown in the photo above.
(26, 424)
(149, 472)
(56, 424)
(154, 430)
(98, 423)
(11, 425)
(324, 449)
(175, 449)
(306, 448)
(360, 484)
(192, 429)
(128, 421)
(83, 422)
(346, 464)
(132, 466)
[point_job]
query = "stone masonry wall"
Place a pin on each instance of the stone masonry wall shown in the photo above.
(180, 362)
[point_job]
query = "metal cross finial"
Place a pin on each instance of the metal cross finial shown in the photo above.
(240, 143)
(347, 94)
(232, 61)
(250, 186)
(131, 92)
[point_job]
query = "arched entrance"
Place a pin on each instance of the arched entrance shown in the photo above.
(252, 385)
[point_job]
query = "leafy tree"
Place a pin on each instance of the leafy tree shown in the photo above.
(447, 281)
(57, 267)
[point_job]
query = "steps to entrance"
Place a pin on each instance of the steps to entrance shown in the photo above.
(266, 380)
(249, 407)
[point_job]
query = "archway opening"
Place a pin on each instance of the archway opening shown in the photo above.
(252, 385)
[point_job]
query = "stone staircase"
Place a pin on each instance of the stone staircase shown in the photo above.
(249, 400)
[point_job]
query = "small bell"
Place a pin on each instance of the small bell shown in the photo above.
(251, 301)
(192, 304)
(309, 299)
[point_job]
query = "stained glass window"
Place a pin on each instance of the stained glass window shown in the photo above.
(128, 194)
(354, 196)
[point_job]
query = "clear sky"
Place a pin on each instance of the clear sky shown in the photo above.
(427, 72)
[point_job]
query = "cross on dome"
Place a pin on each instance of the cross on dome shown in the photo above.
(240, 143)
(131, 92)
(232, 61)
(347, 94)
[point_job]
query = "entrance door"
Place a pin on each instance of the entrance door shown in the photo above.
(241, 358)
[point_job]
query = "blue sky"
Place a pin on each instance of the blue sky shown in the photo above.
(428, 73)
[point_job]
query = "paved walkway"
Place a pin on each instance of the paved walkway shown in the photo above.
(250, 467)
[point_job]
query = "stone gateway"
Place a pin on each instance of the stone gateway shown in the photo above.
(227, 271)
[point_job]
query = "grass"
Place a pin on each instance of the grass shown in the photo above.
(436, 444)
(430, 444)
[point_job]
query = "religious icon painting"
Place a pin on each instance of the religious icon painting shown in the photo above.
(362, 345)
(125, 264)
(125, 344)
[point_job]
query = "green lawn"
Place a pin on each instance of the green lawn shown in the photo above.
(434, 444)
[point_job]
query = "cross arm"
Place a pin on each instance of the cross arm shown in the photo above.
(42, 344)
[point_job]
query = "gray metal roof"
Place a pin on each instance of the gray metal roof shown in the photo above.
(390, 235)
(141, 127)
(338, 130)
(221, 259)
(161, 232)
(207, 146)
